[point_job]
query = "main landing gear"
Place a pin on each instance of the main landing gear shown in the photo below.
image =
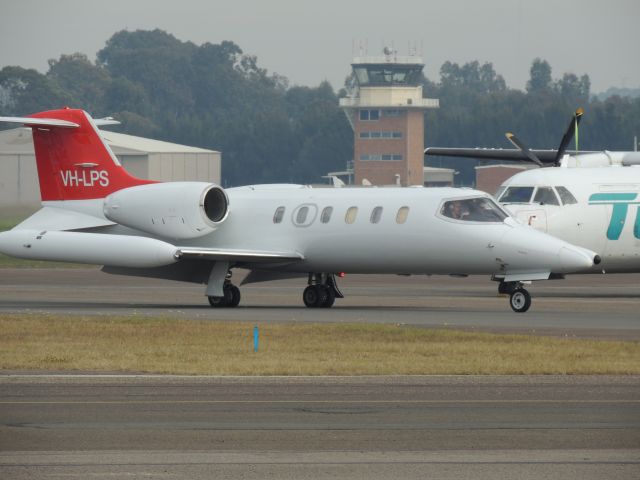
(230, 293)
(519, 298)
(322, 291)
(230, 299)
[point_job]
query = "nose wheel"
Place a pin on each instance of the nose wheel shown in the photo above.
(520, 300)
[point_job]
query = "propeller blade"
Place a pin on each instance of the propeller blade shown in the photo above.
(571, 130)
(523, 148)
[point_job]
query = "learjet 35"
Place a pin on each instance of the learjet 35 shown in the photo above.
(95, 212)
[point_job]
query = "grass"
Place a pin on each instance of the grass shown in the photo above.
(161, 345)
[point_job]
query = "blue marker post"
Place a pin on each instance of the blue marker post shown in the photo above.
(256, 337)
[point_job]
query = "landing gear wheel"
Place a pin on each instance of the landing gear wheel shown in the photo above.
(235, 296)
(230, 299)
(520, 300)
(315, 296)
(331, 297)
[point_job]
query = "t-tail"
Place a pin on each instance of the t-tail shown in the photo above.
(73, 160)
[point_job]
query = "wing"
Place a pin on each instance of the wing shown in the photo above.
(233, 255)
(545, 156)
(513, 155)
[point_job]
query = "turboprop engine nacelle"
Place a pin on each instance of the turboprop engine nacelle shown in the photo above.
(180, 210)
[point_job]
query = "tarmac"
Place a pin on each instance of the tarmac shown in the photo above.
(593, 306)
(132, 426)
(319, 427)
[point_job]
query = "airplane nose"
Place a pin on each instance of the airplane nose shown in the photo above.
(575, 259)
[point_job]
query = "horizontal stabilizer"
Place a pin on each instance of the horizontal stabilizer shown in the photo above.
(45, 122)
(238, 255)
(52, 218)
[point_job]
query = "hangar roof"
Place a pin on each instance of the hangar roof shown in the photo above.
(18, 141)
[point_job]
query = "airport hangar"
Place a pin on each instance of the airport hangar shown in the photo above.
(142, 157)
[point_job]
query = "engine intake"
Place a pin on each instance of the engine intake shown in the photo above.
(180, 210)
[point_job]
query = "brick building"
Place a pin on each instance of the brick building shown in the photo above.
(386, 111)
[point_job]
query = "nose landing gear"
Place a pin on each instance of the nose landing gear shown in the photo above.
(519, 298)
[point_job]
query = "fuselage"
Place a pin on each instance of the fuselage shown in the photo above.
(596, 208)
(377, 230)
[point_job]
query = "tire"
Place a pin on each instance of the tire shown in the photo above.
(235, 296)
(331, 297)
(520, 300)
(314, 296)
(226, 300)
(217, 302)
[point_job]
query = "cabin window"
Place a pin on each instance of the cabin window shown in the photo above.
(566, 196)
(301, 216)
(304, 215)
(480, 209)
(279, 215)
(401, 216)
(325, 216)
(517, 195)
(546, 196)
(351, 215)
(376, 215)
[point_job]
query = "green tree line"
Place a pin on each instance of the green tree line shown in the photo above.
(216, 96)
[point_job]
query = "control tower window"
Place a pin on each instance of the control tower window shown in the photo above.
(387, 74)
(370, 115)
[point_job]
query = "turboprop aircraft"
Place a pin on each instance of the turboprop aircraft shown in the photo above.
(95, 212)
(592, 199)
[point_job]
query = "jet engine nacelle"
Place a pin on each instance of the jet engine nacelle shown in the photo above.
(180, 210)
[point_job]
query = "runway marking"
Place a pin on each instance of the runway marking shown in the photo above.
(297, 402)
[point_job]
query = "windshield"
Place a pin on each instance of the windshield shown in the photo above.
(517, 195)
(473, 210)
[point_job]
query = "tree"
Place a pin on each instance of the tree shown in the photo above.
(540, 77)
(24, 91)
(84, 81)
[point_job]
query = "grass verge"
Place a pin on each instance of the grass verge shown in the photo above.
(161, 345)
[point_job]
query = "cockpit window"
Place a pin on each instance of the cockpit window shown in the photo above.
(566, 196)
(473, 210)
(545, 196)
(516, 195)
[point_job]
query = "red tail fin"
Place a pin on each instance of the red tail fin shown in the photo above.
(74, 162)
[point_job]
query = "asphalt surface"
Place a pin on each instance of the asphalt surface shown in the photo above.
(301, 427)
(363, 427)
(596, 306)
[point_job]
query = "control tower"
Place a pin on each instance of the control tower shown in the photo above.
(386, 111)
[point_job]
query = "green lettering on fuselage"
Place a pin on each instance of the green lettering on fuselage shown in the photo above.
(620, 202)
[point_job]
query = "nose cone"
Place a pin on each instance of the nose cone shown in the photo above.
(574, 259)
(526, 249)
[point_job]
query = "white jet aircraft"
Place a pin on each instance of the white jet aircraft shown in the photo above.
(592, 199)
(95, 212)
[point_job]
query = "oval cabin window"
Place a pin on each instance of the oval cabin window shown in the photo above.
(351, 215)
(279, 215)
(403, 213)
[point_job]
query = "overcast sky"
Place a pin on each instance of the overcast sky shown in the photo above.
(310, 41)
